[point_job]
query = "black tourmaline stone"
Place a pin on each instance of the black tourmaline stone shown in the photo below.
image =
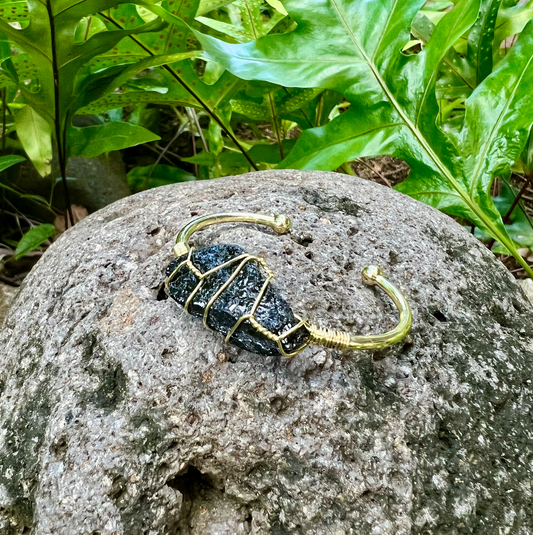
(237, 300)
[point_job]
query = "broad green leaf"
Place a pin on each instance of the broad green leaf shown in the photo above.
(182, 72)
(511, 21)
(209, 5)
(240, 35)
(214, 136)
(395, 97)
(60, 83)
(252, 25)
(145, 84)
(97, 85)
(286, 101)
(498, 118)
(480, 39)
(8, 161)
(35, 134)
(438, 6)
(212, 95)
(278, 6)
(8, 74)
(231, 162)
(33, 239)
(37, 198)
(88, 27)
(19, 67)
(185, 87)
(251, 109)
(91, 141)
(40, 43)
(5, 47)
(461, 74)
(526, 158)
(14, 10)
(202, 158)
(260, 153)
(457, 74)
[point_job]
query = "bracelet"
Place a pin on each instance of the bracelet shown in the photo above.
(231, 291)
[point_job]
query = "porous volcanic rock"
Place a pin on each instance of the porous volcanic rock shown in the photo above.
(7, 294)
(119, 414)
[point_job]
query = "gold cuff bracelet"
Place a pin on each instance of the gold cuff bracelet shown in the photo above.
(230, 290)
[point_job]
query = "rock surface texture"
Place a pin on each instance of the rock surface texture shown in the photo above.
(7, 294)
(527, 286)
(119, 414)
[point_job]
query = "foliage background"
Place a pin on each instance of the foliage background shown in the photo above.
(209, 88)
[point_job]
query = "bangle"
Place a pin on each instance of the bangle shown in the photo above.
(231, 291)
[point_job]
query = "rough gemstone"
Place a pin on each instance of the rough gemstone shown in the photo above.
(273, 312)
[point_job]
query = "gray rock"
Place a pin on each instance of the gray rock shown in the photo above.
(7, 294)
(527, 286)
(100, 181)
(93, 182)
(121, 415)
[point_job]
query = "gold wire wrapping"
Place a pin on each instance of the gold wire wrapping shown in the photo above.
(250, 316)
(325, 337)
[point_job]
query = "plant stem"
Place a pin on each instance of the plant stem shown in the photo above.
(19, 213)
(149, 176)
(507, 217)
(89, 20)
(200, 131)
(275, 124)
(320, 109)
(149, 147)
(207, 109)
(60, 140)
(193, 139)
(304, 115)
(347, 168)
(4, 118)
(173, 154)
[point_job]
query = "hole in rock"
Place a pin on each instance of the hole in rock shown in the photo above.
(352, 231)
(196, 488)
(440, 316)
(161, 294)
(304, 241)
(518, 306)
(278, 404)
(406, 346)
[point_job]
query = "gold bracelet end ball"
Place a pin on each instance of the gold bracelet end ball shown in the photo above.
(371, 275)
(282, 223)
